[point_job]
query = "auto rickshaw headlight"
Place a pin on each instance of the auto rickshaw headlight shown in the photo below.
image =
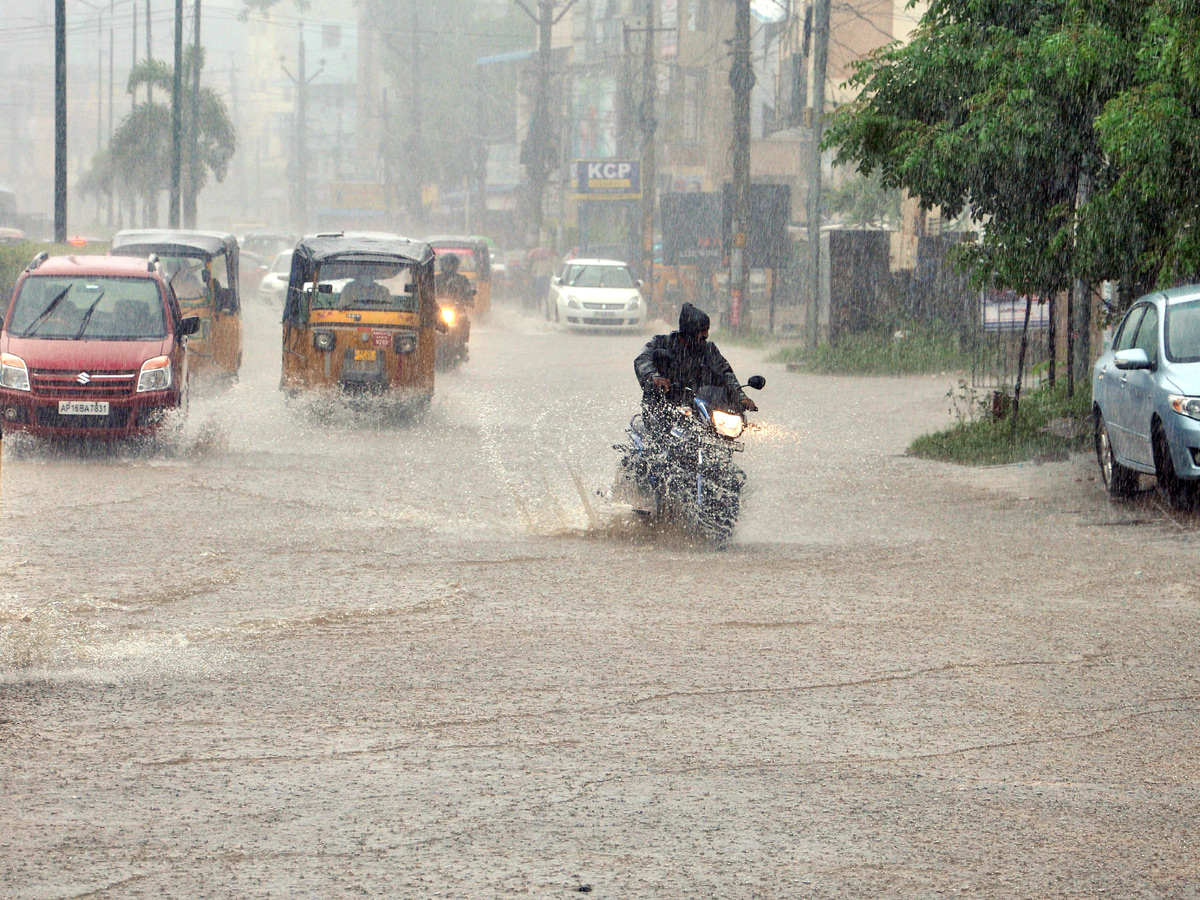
(404, 343)
(449, 315)
(324, 340)
(155, 375)
(14, 374)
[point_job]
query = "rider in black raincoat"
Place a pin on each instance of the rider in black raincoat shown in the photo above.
(693, 362)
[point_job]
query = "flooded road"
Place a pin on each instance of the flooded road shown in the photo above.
(333, 660)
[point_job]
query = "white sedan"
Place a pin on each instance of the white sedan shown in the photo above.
(597, 294)
(273, 288)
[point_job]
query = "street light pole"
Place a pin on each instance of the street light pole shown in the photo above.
(60, 121)
(176, 121)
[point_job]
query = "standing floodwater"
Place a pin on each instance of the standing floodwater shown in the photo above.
(312, 656)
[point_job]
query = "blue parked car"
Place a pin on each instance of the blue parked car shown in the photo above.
(1146, 397)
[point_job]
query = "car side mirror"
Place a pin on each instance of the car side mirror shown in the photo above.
(557, 279)
(410, 288)
(641, 284)
(205, 276)
(324, 288)
(189, 325)
(757, 382)
(1133, 358)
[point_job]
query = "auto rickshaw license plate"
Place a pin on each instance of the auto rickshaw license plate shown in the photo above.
(365, 355)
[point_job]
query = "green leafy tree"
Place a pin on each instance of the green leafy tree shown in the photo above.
(992, 110)
(1145, 221)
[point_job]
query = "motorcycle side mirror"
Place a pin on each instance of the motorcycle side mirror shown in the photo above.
(757, 382)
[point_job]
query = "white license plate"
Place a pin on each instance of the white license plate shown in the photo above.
(83, 407)
(606, 315)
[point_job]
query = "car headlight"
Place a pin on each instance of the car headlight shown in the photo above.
(324, 340)
(573, 303)
(155, 375)
(14, 374)
(1185, 406)
(449, 315)
(727, 423)
(635, 303)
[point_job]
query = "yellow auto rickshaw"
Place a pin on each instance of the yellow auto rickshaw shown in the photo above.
(475, 262)
(202, 268)
(360, 319)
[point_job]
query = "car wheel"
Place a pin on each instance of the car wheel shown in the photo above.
(1181, 494)
(1119, 481)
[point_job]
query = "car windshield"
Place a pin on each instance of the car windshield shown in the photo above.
(364, 286)
(1183, 331)
(108, 309)
(597, 277)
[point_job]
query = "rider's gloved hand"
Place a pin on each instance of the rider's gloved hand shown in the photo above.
(749, 405)
(662, 384)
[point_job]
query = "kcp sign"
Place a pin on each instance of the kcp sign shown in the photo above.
(608, 179)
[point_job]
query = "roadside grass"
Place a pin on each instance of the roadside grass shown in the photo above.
(1051, 425)
(15, 257)
(755, 340)
(915, 350)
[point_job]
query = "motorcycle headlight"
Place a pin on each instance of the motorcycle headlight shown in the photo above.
(572, 303)
(14, 373)
(324, 340)
(449, 315)
(727, 423)
(1185, 406)
(155, 375)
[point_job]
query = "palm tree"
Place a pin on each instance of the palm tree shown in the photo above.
(141, 146)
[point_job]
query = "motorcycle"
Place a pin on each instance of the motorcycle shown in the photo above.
(451, 349)
(679, 466)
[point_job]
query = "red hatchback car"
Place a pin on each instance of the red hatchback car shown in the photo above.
(92, 347)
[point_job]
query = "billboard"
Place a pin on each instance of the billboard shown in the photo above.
(691, 229)
(608, 179)
(767, 243)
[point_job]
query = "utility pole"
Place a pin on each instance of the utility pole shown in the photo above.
(300, 175)
(149, 51)
(820, 66)
(416, 206)
(176, 121)
(538, 151)
(192, 181)
(649, 127)
(112, 46)
(60, 121)
(741, 79)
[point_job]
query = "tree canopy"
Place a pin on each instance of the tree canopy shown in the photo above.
(1065, 128)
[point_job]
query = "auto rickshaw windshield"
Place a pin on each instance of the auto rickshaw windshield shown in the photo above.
(186, 275)
(365, 285)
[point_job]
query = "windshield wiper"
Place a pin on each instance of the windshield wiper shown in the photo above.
(45, 313)
(87, 317)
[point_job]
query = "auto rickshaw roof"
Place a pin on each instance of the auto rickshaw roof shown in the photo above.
(458, 241)
(365, 246)
(173, 242)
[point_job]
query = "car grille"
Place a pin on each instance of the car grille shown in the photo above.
(604, 323)
(48, 417)
(604, 306)
(64, 384)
